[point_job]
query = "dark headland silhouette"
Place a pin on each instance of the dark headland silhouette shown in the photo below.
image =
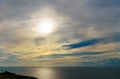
(9, 75)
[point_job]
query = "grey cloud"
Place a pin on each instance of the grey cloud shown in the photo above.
(71, 54)
(7, 57)
(39, 40)
(104, 20)
(115, 38)
(112, 61)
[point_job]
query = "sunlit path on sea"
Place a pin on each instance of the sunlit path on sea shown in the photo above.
(47, 73)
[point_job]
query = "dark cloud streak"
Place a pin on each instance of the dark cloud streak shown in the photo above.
(114, 38)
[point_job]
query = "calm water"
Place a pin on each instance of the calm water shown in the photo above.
(67, 72)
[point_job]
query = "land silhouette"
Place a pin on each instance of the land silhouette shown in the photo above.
(9, 75)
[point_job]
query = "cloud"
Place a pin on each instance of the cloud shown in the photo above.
(70, 54)
(104, 62)
(82, 44)
(93, 41)
(112, 61)
(11, 60)
(7, 58)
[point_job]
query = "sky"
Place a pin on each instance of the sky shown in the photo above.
(82, 33)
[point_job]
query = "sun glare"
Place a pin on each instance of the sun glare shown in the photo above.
(46, 25)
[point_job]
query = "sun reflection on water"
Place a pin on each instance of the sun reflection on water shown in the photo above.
(47, 73)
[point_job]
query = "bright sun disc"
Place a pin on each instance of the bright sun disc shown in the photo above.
(46, 25)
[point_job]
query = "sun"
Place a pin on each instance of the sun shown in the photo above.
(46, 25)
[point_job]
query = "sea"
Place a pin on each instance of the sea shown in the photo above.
(66, 72)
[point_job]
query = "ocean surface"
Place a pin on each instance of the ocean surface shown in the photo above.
(67, 72)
